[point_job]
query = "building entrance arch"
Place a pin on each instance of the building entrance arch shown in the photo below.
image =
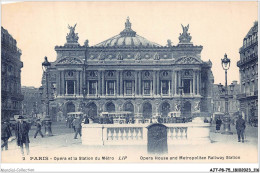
(110, 107)
(186, 111)
(70, 107)
(91, 110)
(165, 109)
(129, 107)
(147, 110)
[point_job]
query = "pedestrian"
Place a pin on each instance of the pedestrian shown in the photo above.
(218, 125)
(38, 128)
(5, 134)
(72, 124)
(240, 127)
(77, 125)
(22, 134)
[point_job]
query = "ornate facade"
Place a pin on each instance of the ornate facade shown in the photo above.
(129, 73)
(248, 69)
(10, 76)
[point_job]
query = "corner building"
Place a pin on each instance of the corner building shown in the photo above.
(11, 65)
(130, 73)
(248, 70)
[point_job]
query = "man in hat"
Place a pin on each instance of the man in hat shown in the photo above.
(77, 125)
(240, 126)
(5, 134)
(38, 129)
(22, 134)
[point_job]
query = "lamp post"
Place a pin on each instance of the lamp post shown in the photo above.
(45, 65)
(225, 62)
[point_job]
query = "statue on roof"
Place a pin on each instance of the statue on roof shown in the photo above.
(72, 37)
(72, 29)
(185, 36)
(185, 29)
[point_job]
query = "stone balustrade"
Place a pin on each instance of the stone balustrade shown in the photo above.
(136, 134)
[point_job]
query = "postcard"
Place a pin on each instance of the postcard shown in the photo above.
(129, 82)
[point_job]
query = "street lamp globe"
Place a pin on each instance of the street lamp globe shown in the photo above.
(46, 64)
(225, 62)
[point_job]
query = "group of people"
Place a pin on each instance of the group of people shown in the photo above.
(21, 129)
(240, 127)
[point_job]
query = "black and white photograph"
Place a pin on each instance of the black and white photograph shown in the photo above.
(129, 82)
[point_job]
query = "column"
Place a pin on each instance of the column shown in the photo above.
(102, 85)
(197, 82)
(80, 83)
(114, 88)
(58, 89)
(151, 87)
(179, 80)
(190, 87)
(99, 83)
(121, 82)
(169, 88)
(77, 83)
(117, 82)
(154, 83)
(173, 84)
(140, 83)
(158, 83)
(62, 83)
(193, 86)
(66, 89)
(136, 73)
(124, 83)
(75, 88)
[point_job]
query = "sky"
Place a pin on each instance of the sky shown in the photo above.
(39, 26)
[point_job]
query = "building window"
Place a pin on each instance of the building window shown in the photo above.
(70, 73)
(147, 87)
(110, 87)
(128, 87)
(70, 87)
(165, 87)
(92, 87)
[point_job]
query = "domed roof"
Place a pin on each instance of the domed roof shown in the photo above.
(126, 38)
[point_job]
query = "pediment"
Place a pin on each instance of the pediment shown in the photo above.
(70, 60)
(188, 60)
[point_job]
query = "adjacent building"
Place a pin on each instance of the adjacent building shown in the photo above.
(10, 76)
(219, 100)
(127, 72)
(31, 105)
(248, 69)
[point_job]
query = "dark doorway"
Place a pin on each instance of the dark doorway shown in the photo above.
(92, 110)
(186, 85)
(110, 107)
(186, 111)
(129, 107)
(70, 107)
(147, 110)
(165, 109)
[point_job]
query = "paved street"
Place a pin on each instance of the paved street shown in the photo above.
(62, 144)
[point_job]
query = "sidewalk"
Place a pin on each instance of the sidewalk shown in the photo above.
(62, 144)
